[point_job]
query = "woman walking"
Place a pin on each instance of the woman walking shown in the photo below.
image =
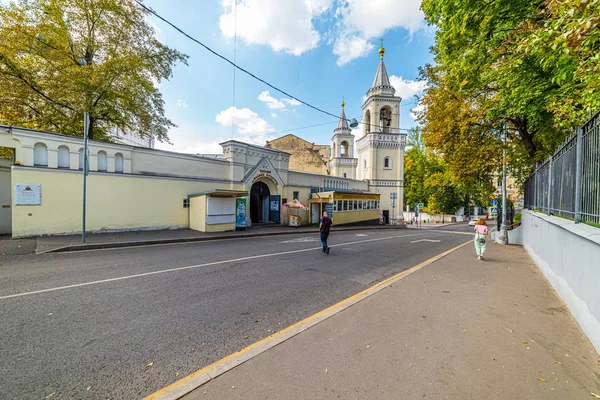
(481, 232)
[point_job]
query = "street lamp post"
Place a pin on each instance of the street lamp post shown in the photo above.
(86, 122)
(503, 238)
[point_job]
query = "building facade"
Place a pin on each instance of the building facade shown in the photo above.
(381, 147)
(132, 187)
(305, 156)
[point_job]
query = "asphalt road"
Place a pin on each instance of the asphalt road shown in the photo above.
(85, 325)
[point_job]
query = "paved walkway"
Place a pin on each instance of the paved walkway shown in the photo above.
(456, 329)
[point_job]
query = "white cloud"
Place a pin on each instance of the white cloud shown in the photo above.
(271, 101)
(273, 115)
(247, 122)
(275, 104)
(347, 48)
(362, 20)
(407, 88)
(282, 25)
(291, 102)
(182, 104)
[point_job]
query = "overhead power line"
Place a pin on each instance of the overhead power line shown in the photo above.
(231, 62)
(151, 11)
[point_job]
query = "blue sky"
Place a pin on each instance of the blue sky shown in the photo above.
(316, 50)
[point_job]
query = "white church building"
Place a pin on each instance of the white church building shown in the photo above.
(132, 186)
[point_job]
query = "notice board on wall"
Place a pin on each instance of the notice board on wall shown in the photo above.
(28, 194)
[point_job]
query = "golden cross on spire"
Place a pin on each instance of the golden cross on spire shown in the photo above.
(381, 50)
(343, 103)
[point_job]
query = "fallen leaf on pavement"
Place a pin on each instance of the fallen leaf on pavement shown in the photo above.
(89, 388)
(557, 362)
(541, 380)
(595, 395)
(149, 365)
(525, 295)
(245, 337)
(524, 341)
(325, 370)
(493, 359)
(49, 314)
(50, 395)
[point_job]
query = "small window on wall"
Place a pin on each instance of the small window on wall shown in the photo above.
(355, 204)
(118, 162)
(64, 157)
(296, 195)
(345, 205)
(335, 206)
(102, 161)
(186, 203)
(350, 205)
(387, 162)
(40, 155)
(284, 200)
(360, 205)
(339, 205)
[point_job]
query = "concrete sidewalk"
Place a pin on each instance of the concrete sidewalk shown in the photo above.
(64, 243)
(456, 329)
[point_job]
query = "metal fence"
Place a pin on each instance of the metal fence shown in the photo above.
(568, 183)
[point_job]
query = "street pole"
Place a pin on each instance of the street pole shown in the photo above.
(86, 121)
(503, 239)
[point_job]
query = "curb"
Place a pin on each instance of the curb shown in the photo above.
(150, 242)
(195, 380)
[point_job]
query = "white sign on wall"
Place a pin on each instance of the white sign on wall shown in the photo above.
(28, 194)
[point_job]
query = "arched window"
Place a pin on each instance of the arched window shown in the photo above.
(333, 152)
(344, 148)
(64, 157)
(40, 155)
(118, 162)
(102, 161)
(387, 162)
(367, 122)
(385, 115)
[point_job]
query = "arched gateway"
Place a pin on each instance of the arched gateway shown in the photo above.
(259, 202)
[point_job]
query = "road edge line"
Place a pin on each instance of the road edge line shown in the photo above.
(196, 379)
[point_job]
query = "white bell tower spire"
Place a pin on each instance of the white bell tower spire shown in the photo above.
(381, 147)
(343, 163)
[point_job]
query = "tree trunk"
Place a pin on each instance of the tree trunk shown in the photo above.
(91, 128)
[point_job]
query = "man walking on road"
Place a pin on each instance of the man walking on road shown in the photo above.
(324, 226)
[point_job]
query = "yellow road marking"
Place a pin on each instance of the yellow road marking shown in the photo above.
(175, 385)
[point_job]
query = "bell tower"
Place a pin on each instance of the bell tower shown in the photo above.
(342, 162)
(381, 147)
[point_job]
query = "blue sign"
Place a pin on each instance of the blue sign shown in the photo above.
(494, 203)
(494, 210)
(420, 206)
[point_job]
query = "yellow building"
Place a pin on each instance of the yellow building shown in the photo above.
(134, 188)
(346, 207)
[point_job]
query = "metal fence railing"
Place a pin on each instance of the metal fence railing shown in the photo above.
(568, 183)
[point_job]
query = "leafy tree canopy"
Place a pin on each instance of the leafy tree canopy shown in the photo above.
(61, 58)
(527, 65)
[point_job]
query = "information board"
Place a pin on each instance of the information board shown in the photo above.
(28, 194)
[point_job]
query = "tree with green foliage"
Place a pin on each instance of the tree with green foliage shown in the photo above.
(61, 58)
(526, 66)
(427, 178)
